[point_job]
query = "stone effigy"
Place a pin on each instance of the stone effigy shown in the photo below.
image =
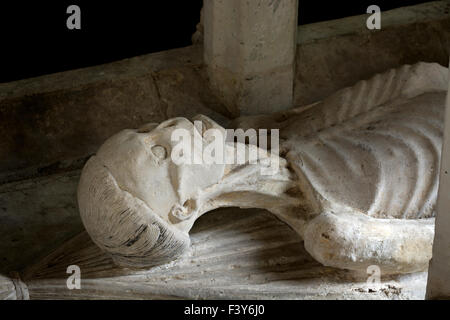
(357, 178)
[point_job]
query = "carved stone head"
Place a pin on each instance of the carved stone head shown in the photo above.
(138, 205)
(135, 202)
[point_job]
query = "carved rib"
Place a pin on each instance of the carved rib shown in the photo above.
(372, 164)
(366, 162)
(369, 153)
(391, 126)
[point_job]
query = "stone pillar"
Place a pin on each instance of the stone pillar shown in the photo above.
(439, 272)
(249, 50)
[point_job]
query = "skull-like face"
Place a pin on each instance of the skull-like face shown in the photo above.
(141, 162)
(138, 203)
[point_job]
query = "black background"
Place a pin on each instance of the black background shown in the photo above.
(273, 309)
(34, 39)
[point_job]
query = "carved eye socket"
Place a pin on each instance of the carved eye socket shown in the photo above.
(160, 152)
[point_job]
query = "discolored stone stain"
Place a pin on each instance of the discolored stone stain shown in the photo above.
(276, 4)
(310, 87)
(45, 129)
(71, 124)
(36, 214)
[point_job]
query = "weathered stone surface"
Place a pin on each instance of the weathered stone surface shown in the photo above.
(139, 206)
(63, 117)
(235, 254)
(183, 93)
(330, 56)
(373, 148)
(334, 54)
(400, 17)
(216, 260)
(439, 276)
(36, 216)
(7, 289)
(426, 41)
(51, 127)
(249, 49)
(358, 182)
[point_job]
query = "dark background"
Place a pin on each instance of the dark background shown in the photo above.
(34, 39)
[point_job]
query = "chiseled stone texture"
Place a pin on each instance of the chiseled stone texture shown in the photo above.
(318, 74)
(7, 289)
(335, 54)
(50, 122)
(36, 215)
(249, 53)
(439, 272)
(235, 254)
(330, 56)
(357, 180)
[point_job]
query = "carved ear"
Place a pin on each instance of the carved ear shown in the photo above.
(122, 225)
(186, 211)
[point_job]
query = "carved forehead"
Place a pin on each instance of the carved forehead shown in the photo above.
(145, 154)
(161, 133)
(132, 142)
(140, 161)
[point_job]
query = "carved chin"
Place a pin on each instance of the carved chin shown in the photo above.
(123, 225)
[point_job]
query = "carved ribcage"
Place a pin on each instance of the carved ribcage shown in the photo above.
(375, 147)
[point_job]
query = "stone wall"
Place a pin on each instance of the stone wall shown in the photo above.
(52, 123)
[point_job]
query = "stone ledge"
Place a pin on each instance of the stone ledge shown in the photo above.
(234, 254)
(421, 13)
(65, 116)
